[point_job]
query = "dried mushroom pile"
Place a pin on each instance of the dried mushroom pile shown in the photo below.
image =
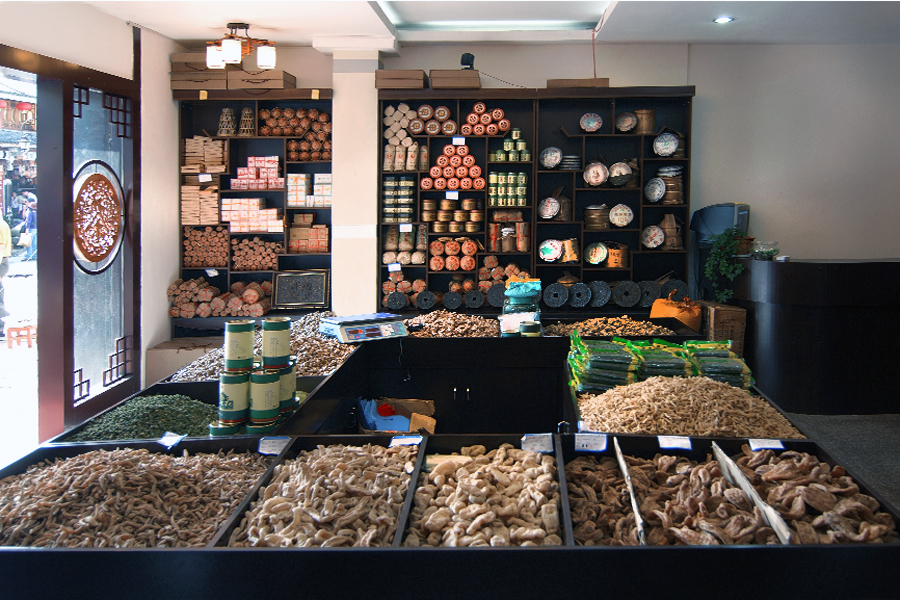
(125, 498)
(331, 497)
(505, 497)
(317, 354)
(820, 503)
(695, 406)
(623, 326)
(443, 323)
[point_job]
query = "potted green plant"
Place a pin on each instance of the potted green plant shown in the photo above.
(720, 262)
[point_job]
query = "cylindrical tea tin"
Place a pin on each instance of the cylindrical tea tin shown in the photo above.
(509, 144)
(276, 342)
(476, 215)
(239, 345)
(448, 205)
(265, 395)
(429, 204)
(515, 133)
(445, 216)
(646, 120)
(429, 215)
(469, 204)
(513, 155)
(455, 226)
(521, 145)
(439, 227)
(234, 397)
(472, 227)
(460, 215)
(287, 381)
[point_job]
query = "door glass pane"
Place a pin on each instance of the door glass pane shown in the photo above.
(102, 150)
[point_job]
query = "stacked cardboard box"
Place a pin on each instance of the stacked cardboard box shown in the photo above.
(199, 205)
(188, 71)
(446, 79)
(203, 154)
(400, 79)
(249, 215)
(309, 191)
(261, 173)
(305, 237)
(265, 80)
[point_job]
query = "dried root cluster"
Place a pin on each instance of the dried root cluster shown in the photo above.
(695, 406)
(608, 327)
(820, 503)
(443, 323)
(317, 354)
(599, 503)
(125, 498)
(333, 496)
(505, 497)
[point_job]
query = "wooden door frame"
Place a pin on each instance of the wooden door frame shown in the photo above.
(56, 80)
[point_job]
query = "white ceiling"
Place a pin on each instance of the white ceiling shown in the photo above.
(389, 24)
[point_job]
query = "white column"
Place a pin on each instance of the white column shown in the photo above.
(354, 212)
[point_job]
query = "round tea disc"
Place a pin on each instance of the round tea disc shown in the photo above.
(579, 295)
(678, 285)
(626, 294)
(397, 300)
(649, 293)
(452, 300)
(496, 294)
(600, 293)
(425, 300)
(555, 295)
(474, 299)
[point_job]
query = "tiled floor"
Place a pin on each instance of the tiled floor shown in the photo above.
(19, 367)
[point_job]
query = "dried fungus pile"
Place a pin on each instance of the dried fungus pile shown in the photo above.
(623, 326)
(443, 323)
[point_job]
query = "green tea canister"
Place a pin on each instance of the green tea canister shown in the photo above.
(234, 397)
(239, 345)
(276, 342)
(265, 395)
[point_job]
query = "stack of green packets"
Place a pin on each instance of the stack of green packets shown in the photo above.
(599, 365)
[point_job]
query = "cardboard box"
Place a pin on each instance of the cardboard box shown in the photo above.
(207, 80)
(167, 357)
(419, 413)
(578, 83)
(266, 80)
(455, 79)
(415, 74)
(399, 84)
(723, 322)
(400, 79)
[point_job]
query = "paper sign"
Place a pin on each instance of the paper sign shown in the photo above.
(203, 95)
(452, 195)
(393, 267)
(314, 95)
(273, 445)
(405, 440)
(204, 177)
(170, 439)
(538, 442)
(765, 445)
(211, 273)
(590, 442)
(674, 441)
(406, 228)
(459, 140)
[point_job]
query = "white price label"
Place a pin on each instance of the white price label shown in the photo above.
(538, 442)
(212, 273)
(759, 444)
(393, 267)
(406, 228)
(452, 195)
(459, 140)
(675, 441)
(405, 440)
(204, 178)
(170, 439)
(273, 445)
(590, 442)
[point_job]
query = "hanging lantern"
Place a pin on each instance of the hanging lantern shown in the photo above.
(3, 104)
(24, 106)
(231, 51)
(214, 57)
(265, 56)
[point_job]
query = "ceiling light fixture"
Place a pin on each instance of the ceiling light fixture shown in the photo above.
(723, 20)
(233, 47)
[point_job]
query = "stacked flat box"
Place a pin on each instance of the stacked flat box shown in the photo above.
(203, 154)
(249, 215)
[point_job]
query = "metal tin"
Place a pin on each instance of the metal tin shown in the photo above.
(429, 215)
(469, 204)
(521, 178)
(239, 345)
(234, 396)
(439, 227)
(521, 145)
(445, 216)
(460, 215)
(521, 191)
(530, 329)
(515, 132)
(502, 179)
(500, 156)
(513, 155)
(472, 227)
(509, 144)
(476, 215)
(455, 227)
(448, 205)
(276, 342)
(493, 178)
(220, 429)
(429, 204)
(265, 395)
(525, 156)
(288, 384)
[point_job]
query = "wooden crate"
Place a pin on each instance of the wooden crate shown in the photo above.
(388, 79)
(723, 322)
(467, 79)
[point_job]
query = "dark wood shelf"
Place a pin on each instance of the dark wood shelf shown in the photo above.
(254, 95)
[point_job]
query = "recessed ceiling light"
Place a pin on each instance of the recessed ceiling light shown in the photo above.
(722, 20)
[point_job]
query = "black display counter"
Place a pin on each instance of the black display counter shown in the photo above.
(822, 336)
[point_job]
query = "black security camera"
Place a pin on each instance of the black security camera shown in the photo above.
(467, 61)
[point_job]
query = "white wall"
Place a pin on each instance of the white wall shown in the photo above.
(69, 31)
(806, 135)
(160, 229)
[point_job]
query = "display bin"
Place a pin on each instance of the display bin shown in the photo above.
(682, 331)
(645, 446)
(307, 415)
(801, 571)
(292, 450)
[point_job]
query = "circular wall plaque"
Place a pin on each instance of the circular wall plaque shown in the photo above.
(98, 216)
